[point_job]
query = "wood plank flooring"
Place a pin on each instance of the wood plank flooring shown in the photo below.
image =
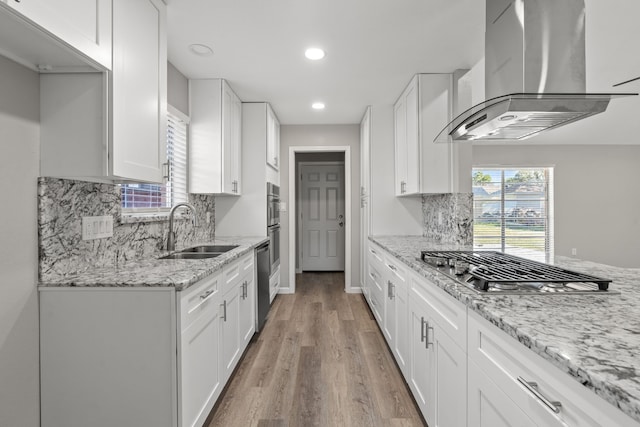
(320, 360)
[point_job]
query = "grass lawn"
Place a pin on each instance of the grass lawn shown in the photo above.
(488, 234)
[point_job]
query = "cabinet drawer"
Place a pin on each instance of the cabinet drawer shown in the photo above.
(233, 271)
(510, 365)
(375, 254)
(450, 314)
(247, 262)
(196, 299)
(375, 280)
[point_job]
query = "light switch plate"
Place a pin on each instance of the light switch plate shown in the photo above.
(97, 227)
(283, 206)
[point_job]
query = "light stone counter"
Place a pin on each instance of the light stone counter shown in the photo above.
(593, 338)
(158, 272)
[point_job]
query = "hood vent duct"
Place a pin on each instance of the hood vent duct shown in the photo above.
(534, 72)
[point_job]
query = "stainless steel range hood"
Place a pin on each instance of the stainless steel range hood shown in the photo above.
(534, 72)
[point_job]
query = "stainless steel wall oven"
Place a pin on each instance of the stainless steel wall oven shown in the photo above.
(273, 225)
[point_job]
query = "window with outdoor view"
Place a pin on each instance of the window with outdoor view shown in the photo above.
(513, 211)
(159, 197)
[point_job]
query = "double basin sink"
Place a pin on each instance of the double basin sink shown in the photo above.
(201, 252)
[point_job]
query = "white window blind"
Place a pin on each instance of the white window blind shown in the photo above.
(160, 197)
(513, 211)
(177, 157)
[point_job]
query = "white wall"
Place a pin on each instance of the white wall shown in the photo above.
(19, 166)
(320, 135)
(177, 89)
(390, 215)
(597, 196)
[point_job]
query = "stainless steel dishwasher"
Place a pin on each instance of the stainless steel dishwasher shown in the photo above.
(262, 255)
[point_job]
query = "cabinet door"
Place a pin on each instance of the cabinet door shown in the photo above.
(247, 310)
(236, 146)
(139, 84)
(389, 328)
(228, 109)
(231, 135)
(200, 367)
(449, 379)
(420, 380)
(400, 132)
(401, 348)
(230, 348)
(83, 24)
(273, 139)
(365, 127)
(488, 406)
(412, 135)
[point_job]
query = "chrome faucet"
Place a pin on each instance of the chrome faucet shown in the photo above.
(171, 238)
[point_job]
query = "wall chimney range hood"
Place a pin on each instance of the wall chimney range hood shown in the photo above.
(534, 73)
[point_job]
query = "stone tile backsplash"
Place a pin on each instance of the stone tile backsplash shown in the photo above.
(448, 218)
(61, 205)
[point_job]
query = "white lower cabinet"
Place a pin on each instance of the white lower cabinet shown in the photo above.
(438, 367)
(545, 394)
(463, 370)
(159, 357)
(274, 284)
(199, 373)
(488, 405)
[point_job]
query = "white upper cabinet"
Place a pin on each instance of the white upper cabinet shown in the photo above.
(85, 25)
(111, 125)
(216, 133)
(139, 90)
(273, 139)
(423, 109)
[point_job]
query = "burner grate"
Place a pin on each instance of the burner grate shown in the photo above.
(489, 267)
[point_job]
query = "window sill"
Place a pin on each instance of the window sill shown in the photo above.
(138, 217)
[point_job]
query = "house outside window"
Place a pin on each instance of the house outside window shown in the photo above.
(513, 211)
(141, 198)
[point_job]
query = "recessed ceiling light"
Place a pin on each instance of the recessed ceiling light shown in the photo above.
(314, 53)
(200, 49)
(317, 106)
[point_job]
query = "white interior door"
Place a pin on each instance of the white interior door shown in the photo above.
(322, 201)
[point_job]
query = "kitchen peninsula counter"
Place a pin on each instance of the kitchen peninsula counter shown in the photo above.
(155, 272)
(595, 339)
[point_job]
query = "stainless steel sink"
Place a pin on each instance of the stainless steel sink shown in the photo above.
(220, 249)
(191, 255)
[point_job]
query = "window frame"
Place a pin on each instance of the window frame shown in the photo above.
(549, 232)
(162, 213)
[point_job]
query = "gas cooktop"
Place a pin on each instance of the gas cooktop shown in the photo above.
(499, 273)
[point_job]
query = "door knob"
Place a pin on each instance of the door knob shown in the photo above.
(341, 223)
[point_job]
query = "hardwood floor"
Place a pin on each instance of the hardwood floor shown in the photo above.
(320, 360)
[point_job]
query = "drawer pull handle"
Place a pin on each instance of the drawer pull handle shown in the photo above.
(533, 388)
(422, 322)
(392, 267)
(206, 295)
(224, 310)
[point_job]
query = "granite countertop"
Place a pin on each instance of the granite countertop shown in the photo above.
(593, 338)
(179, 274)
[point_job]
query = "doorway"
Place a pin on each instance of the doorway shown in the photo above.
(321, 215)
(315, 154)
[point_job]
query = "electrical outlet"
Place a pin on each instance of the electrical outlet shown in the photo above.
(574, 251)
(208, 218)
(97, 227)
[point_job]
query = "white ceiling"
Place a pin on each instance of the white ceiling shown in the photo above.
(373, 48)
